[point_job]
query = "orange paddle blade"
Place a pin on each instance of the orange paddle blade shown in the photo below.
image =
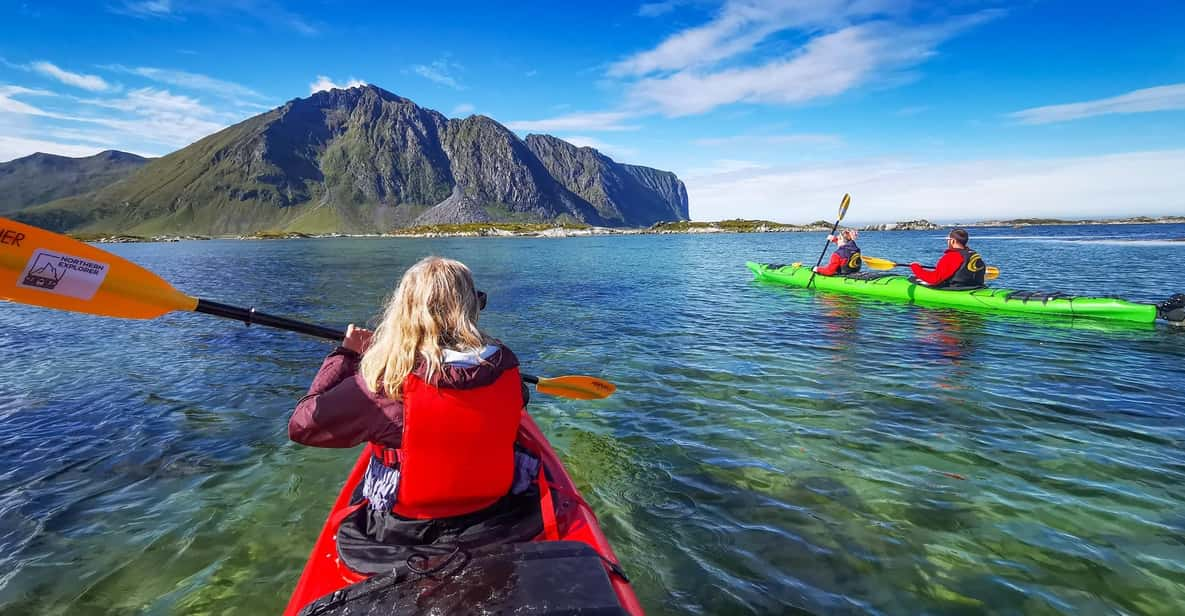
(42, 268)
(576, 387)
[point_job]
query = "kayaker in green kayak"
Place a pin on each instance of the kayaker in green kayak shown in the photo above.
(439, 403)
(959, 268)
(846, 258)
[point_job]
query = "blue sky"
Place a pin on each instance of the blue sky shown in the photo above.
(948, 110)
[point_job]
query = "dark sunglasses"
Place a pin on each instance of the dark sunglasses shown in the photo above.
(481, 300)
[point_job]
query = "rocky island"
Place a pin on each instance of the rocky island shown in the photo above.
(1034, 222)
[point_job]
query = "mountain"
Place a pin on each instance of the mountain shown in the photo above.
(366, 160)
(647, 195)
(40, 178)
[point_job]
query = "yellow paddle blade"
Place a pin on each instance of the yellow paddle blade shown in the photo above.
(877, 264)
(843, 206)
(47, 269)
(993, 272)
(576, 387)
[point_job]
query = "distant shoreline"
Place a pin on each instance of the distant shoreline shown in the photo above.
(1055, 222)
(536, 230)
(543, 230)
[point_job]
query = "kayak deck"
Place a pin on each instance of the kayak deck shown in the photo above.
(1000, 300)
(324, 573)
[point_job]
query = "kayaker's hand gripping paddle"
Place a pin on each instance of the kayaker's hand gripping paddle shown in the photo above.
(46, 269)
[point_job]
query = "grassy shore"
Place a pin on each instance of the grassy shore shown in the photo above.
(544, 230)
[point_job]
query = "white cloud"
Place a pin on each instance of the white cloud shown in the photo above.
(78, 80)
(826, 66)
(11, 105)
(612, 150)
(147, 8)
(145, 115)
(1161, 98)
(440, 71)
(325, 83)
(658, 9)
(602, 120)
(108, 139)
(149, 100)
(1125, 184)
(161, 117)
(792, 139)
(737, 56)
(740, 26)
(17, 147)
(463, 109)
(269, 12)
(192, 81)
(722, 167)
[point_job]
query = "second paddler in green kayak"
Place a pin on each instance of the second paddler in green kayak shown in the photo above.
(959, 268)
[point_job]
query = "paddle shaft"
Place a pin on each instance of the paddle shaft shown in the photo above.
(251, 317)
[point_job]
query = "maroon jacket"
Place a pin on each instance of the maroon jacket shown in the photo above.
(341, 411)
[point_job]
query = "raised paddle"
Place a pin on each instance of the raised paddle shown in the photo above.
(47, 269)
(843, 209)
(993, 272)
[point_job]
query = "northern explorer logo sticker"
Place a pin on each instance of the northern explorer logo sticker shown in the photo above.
(63, 274)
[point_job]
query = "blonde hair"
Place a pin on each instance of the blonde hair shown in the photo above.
(435, 307)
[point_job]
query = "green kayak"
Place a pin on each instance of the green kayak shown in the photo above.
(896, 287)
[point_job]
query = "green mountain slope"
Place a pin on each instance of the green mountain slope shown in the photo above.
(357, 160)
(40, 178)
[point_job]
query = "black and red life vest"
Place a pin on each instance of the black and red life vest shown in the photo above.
(971, 274)
(852, 261)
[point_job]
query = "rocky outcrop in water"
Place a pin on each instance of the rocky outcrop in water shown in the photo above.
(910, 225)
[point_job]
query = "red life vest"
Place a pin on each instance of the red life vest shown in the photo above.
(458, 446)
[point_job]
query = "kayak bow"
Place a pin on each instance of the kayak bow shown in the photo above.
(325, 575)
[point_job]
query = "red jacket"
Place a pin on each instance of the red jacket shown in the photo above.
(341, 411)
(837, 261)
(946, 267)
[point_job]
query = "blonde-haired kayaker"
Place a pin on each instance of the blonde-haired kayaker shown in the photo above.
(437, 399)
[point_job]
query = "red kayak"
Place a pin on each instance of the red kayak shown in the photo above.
(569, 568)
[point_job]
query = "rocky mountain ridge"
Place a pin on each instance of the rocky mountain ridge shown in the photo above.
(363, 160)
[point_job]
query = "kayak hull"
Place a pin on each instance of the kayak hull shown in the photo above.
(324, 573)
(901, 288)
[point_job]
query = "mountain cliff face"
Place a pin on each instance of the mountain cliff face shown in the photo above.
(366, 160)
(40, 178)
(622, 194)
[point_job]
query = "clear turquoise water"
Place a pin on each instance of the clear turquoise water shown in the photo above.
(768, 449)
